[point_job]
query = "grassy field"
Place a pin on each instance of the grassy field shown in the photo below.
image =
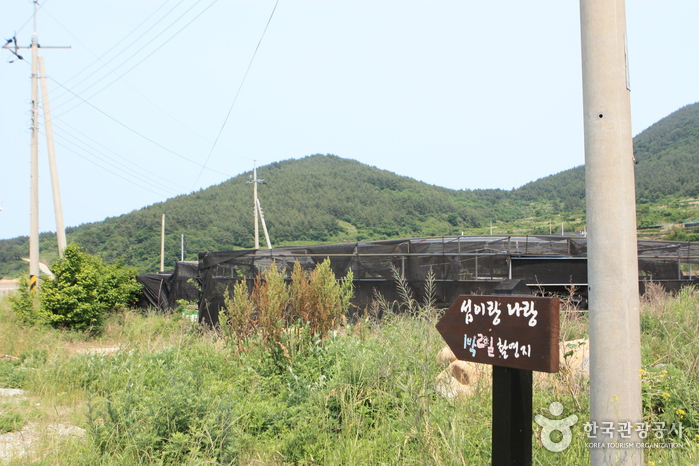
(156, 389)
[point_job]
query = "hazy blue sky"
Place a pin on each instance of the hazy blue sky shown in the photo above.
(456, 93)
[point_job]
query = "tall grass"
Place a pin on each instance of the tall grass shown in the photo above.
(177, 394)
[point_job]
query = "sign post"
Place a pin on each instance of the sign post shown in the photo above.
(516, 335)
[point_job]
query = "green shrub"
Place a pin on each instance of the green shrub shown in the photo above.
(85, 289)
(25, 304)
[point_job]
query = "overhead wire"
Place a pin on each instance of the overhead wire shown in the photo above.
(91, 149)
(31, 16)
(235, 99)
(153, 177)
(113, 71)
(76, 145)
(99, 58)
(158, 48)
(129, 180)
(105, 64)
(157, 144)
(143, 136)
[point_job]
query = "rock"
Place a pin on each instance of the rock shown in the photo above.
(461, 378)
(12, 392)
(445, 356)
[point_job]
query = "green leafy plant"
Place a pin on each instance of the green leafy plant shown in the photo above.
(85, 289)
(25, 304)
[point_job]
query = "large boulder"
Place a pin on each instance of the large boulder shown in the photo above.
(461, 378)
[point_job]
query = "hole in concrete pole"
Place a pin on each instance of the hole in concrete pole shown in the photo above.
(601, 115)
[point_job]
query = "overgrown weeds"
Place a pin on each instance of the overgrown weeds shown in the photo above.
(670, 352)
(406, 303)
(173, 395)
(310, 307)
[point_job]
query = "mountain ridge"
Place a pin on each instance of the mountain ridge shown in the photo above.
(325, 198)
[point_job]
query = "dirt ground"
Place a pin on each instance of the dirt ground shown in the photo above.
(37, 437)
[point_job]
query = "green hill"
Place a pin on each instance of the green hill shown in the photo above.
(324, 198)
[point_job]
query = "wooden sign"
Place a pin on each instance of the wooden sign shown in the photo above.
(510, 331)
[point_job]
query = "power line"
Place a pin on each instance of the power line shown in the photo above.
(235, 99)
(31, 17)
(148, 187)
(133, 130)
(139, 50)
(105, 64)
(136, 132)
(153, 177)
(99, 59)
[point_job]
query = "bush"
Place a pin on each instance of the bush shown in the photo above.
(83, 291)
(25, 304)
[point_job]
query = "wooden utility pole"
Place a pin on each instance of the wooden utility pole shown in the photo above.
(615, 346)
(254, 182)
(264, 224)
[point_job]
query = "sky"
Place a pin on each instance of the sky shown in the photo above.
(159, 98)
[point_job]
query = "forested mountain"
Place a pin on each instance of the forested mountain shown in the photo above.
(324, 198)
(668, 164)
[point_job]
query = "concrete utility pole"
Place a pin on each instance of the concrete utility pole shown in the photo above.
(615, 353)
(34, 267)
(162, 245)
(256, 207)
(57, 205)
(264, 224)
(34, 170)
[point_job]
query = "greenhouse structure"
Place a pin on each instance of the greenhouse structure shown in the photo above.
(459, 264)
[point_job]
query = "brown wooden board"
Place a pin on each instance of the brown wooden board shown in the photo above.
(510, 331)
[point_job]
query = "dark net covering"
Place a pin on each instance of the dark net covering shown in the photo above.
(460, 264)
(163, 290)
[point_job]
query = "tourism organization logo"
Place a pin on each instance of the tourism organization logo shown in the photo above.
(609, 435)
(549, 426)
